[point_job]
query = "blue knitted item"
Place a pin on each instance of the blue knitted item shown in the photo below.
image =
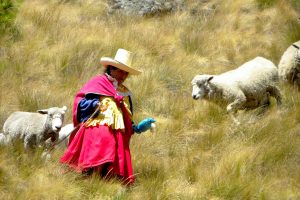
(144, 125)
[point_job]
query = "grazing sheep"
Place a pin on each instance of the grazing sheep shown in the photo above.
(247, 87)
(34, 128)
(289, 65)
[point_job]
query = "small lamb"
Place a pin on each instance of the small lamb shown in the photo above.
(289, 65)
(34, 128)
(247, 87)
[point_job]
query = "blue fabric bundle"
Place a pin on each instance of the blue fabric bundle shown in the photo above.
(144, 125)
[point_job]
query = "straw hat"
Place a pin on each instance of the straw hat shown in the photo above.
(122, 60)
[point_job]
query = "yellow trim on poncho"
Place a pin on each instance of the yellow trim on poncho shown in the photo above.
(110, 114)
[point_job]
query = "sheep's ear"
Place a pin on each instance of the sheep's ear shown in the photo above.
(64, 108)
(209, 79)
(44, 111)
(296, 46)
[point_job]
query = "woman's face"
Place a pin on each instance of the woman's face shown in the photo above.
(119, 75)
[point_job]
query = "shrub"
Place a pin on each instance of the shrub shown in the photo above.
(7, 15)
(263, 4)
(296, 4)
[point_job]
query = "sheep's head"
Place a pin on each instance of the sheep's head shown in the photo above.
(200, 85)
(55, 119)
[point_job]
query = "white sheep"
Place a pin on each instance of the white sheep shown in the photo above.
(34, 128)
(246, 87)
(289, 65)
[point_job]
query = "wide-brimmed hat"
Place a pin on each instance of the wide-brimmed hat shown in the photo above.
(122, 60)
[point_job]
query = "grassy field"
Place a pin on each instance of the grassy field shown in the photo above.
(49, 49)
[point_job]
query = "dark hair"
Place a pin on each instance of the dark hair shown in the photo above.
(109, 68)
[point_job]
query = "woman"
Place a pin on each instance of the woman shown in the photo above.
(103, 114)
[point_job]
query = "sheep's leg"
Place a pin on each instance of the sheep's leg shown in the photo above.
(3, 139)
(6, 139)
(237, 104)
(233, 107)
(275, 92)
(297, 82)
(46, 155)
(234, 119)
(265, 101)
(30, 141)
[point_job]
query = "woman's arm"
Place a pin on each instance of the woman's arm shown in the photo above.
(87, 106)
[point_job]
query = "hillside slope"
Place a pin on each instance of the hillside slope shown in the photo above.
(197, 152)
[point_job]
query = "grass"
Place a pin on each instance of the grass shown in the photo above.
(197, 152)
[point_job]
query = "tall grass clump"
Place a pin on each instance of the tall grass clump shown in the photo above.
(293, 31)
(194, 38)
(288, 21)
(34, 100)
(75, 62)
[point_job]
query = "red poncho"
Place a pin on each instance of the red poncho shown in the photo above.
(94, 146)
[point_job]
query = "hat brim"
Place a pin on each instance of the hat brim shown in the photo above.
(105, 61)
